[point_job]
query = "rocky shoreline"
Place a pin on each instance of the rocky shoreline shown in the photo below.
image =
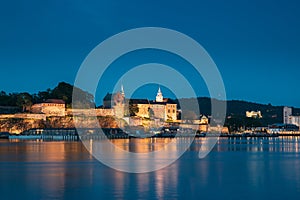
(19, 125)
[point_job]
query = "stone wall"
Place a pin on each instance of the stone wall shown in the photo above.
(90, 112)
(104, 112)
(50, 109)
(159, 111)
(143, 110)
(23, 116)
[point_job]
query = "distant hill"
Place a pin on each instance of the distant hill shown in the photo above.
(236, 111)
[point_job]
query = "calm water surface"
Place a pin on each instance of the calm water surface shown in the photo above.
(253, 168)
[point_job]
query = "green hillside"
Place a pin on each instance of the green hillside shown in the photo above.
(236, 112)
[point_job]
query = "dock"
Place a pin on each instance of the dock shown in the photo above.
(47, 134)
(71, 134)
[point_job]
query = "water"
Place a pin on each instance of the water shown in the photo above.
(253, 168)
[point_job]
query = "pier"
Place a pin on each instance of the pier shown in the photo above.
(48, 134)
(71, 134)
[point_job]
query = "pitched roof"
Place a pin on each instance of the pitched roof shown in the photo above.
(57, 101)
(139, 101)
(165, 101)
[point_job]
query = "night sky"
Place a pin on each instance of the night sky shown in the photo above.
(255, 44)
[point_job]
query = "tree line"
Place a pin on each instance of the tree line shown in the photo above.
(25, 100)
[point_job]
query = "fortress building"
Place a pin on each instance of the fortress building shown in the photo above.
(162, 108)
(115, 101)
(115, 104)
(51, 107)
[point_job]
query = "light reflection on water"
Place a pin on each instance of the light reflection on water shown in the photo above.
(253, 168)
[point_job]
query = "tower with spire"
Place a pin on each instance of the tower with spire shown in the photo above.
(122, 91)
(159, 96)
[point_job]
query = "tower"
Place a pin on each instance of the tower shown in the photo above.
(122, 91)
(287, 112)
(159, 96)
(118, 105)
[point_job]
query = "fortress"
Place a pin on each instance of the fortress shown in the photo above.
(160, 108)
(114, 104)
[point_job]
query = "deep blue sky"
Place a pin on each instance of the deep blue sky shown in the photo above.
(255, 44)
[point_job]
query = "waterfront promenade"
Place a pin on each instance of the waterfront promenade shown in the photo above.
(71, 134)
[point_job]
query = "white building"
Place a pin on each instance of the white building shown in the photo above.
(253, 114)
(287, 113)
(161, 108)
(288, 117)
(294, 120)
(159, 96)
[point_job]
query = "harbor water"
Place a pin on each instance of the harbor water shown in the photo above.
(236, 168)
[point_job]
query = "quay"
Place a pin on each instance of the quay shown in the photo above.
(68, 134)
(71, 134)
(47, 134)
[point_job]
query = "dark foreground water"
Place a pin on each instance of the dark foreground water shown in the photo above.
(253, 168)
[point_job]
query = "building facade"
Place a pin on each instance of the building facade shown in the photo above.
(287, 113)
(116, 102)
(253, 114)
(51, 107)
(162, 108)
(288, 117)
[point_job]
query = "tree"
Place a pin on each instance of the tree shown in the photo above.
(24, 100)
(234, 123)
(252, 122)
(4, 99)
(2, 93)
(43, 95)
(65, 92)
